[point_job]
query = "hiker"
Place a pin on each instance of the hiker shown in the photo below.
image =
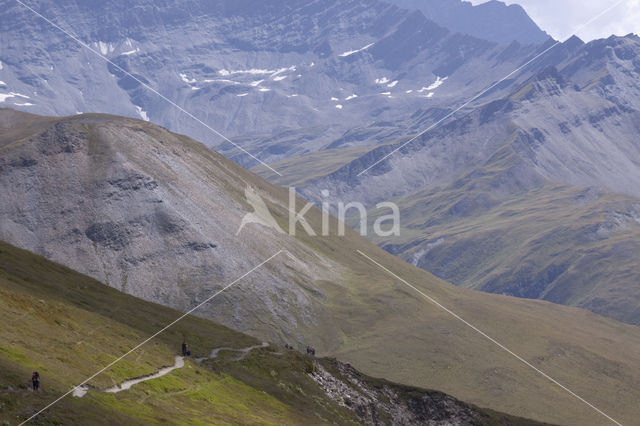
(35, 380)
(185, 349)
(313, 351)
(308, 349)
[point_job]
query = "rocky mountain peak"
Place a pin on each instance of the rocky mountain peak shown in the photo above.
(493, 20)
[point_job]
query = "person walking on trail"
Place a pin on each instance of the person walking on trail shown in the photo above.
(185, 349)
(35, 380)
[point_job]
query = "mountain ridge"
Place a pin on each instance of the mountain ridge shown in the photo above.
(492, 20)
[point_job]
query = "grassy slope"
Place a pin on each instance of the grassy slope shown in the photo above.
(568, 245)
(389, 331)
(67, 326)
(386, 330)
(298, 170)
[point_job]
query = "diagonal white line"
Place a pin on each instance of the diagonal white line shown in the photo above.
(180, 318)
(491, 339)
(517, 70)
(187, 113)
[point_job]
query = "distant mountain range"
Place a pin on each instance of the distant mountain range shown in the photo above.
(255, 72)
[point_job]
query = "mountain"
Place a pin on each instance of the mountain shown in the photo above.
(326, 89)
(533, 195)
(570, 245)
(156, 214)
(492, 20)
(81, 325)
(365, 143)
(279, 78)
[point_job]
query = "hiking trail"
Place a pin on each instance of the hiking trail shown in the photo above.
(245, 352)
(80, 391)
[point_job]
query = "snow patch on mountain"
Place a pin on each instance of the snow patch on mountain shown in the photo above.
(434, 85)
(281, 70)
(220, 80)
(393, 83)
(253, 71)
(352, 52)
(353, 96)
(105, 48)
(141, 113)
(5, 96)
(280, 77)
(131, 52)
(339, 106)
(382, 80)
(187, 79)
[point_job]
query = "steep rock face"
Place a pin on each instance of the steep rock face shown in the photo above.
(492, 20)
(556, 119)
(568, 75)
(379, 402)
(243, 68)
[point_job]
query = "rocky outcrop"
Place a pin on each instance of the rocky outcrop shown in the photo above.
(379, 402)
